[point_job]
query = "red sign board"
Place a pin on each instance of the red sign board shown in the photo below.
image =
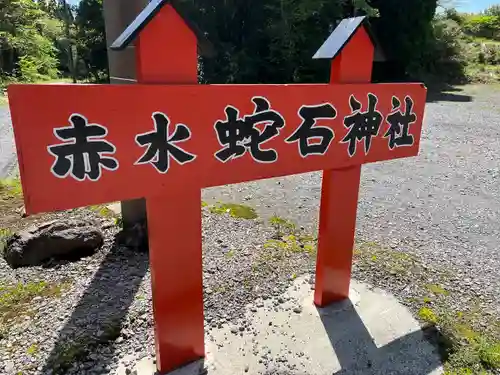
(99, 143)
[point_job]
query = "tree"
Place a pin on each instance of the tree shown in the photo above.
(494, 10)
(269, 41)
(90, 33)
(26, 52)
(405, 32)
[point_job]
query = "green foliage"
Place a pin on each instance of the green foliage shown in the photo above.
(26, 50)
(4, 236)
(268, 41)
(256, 42)
(10, 189)
(91, 37)
(485, 26)
(463, 47)
(14, 299)
(405, 32)
(493, 10)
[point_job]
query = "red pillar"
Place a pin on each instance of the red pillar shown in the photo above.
(340, 189)
(167, 53)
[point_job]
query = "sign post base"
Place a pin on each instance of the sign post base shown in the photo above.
(175, 252)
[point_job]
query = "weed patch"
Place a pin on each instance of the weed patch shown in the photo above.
(33, 349)
(290, 244)
(286, 242)
(10, 189)
(427, 315)
(282, 226)
(103, 211)
(16, 300)
(4, 236)
(238, 211)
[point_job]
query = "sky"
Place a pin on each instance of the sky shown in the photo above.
(475, 5)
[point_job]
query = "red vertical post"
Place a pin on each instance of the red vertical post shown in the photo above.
(340, 188)
(175, 259)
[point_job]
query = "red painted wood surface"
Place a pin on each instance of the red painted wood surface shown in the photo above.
(126, 112)
(340, 189)
(174, 230)
(166, 52)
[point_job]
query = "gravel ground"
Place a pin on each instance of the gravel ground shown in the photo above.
(7, 145)
(104, 316)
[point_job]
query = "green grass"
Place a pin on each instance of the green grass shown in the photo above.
(292, 244)
(103, 211)
(4, 236)
(238, 211)
(392, 262)
(10, 189)
(55, 80)
(3, 100)
(286, 242)
(15, 300)
(33, 349)
(427, 315)
(282, 226)
(483, 73)
(468, 350)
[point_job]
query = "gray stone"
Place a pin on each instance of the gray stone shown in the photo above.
(9, 366)
(52, 239)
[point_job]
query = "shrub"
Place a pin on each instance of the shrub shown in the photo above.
(483, 26)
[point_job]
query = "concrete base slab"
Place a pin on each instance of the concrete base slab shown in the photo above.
(372, 333)
(116, 208)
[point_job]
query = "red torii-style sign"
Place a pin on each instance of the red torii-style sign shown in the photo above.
(167, 138)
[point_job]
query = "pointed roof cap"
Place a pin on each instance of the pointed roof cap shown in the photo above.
(342, 34)
(147, 14)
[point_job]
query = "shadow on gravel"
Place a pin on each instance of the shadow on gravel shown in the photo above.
(98, 318)
(358, 354)
(447, 93)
